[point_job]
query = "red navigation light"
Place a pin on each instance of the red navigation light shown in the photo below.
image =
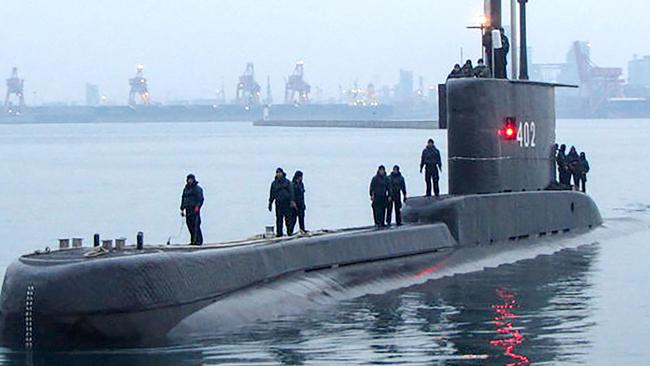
(509, 129)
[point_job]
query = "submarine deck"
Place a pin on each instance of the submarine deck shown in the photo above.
(72, 255)
(471, 220)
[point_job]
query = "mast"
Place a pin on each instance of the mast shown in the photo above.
(514, 39)
(523, 63)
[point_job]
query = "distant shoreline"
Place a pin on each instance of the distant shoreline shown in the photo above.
(390, 124)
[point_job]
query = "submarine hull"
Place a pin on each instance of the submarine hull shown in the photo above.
(65, 299)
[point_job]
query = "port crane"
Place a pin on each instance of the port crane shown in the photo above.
(15, 86)
(139, 87)
(248, 90)
(597, 84)
(297, 86)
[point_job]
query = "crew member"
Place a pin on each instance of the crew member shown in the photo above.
(585, 169)
(500, 66)
(468, 69)
(563, 167)
(283, 196)
(298, 211)
(481, 70)
(456, 73)
(575, 169)
(396, 187)
(379, 197)
(191, 203)
(432, 164)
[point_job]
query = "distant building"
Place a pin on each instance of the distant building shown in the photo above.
(404, 89)
(92, 95)
(638, 78)
(639, 71)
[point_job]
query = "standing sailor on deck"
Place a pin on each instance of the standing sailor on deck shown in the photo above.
(563, 167)
(379, 192)
(397, 188)
(584, 163)
(432, 164)
(298, 211)
(575, 166)
(283, 195)
(191, 203)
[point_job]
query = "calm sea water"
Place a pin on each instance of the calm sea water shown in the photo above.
(578, 301)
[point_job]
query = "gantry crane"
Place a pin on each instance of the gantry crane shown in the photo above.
(139, 87)
(15, 86)
(248, 90)
(597, 84)
(297, 90)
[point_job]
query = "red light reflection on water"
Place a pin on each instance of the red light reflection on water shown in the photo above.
(442, 264)
(509, 337)
(429, 270)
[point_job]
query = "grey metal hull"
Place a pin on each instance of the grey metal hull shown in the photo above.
(136, 298)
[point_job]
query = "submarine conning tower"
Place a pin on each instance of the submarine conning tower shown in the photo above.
(501, 145)
(501, 135)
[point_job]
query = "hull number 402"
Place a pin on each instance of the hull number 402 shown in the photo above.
(526, 134)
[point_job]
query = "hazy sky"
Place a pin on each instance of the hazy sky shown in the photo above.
(188, 47)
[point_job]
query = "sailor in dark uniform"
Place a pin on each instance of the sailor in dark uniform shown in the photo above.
(575, 169)
(379, 197)
(584, 163)
(282, 194)
(563, 167)
(468, 69)
(500, 66)
(456, 73)
(191, 204)
(432, 164)
(396, 188)
(298, 211)
(481, 70)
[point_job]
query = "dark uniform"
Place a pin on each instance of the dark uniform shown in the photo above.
(298, 212)
(575, 167)
(191, 204)
(468, 69)
(554, 163)
(500, 66)
(564, 172)
(482, 71)
(282, 194)
(396, 187)
(585, 169)
(456, 73)
(379, 196)
(431, 162)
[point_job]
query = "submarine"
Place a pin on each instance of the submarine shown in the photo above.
(501, 138)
